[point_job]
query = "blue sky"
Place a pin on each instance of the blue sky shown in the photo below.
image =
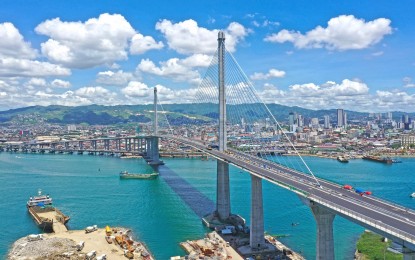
(355, 55)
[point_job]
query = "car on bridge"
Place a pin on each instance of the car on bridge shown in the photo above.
(347, 187)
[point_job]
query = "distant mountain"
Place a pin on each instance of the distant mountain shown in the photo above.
(176, 113)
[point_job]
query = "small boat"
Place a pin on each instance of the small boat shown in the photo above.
(396, 161)
(44, 213)
(342, 159)
(127, 175)
(412, 195)
(109, 240)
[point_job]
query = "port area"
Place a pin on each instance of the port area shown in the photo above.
(233, 246)
(66, 245)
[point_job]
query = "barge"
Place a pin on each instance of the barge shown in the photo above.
(127, 175)
(342, 159)
(45, 214)
(386, 160)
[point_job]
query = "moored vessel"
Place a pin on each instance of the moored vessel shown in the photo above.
(127, 175)
(44, 213)
(342, 159)
(386, 160)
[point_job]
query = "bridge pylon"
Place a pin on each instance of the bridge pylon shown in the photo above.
(152, 142)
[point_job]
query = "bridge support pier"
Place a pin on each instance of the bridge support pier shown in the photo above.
(152, 150)
(408, 254)
(325, 241)
(256, 240)
(223, 200)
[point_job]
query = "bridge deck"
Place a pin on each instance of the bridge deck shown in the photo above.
(396, 221)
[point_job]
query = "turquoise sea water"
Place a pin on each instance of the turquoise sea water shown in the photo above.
(166, 211)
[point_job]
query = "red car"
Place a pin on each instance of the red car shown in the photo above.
(347, 187)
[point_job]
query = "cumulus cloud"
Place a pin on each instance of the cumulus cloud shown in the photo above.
(11, 67)
(114, 78)
(188, 38)
(407, 82)
(272, 73)
(12, 44)
(175, 69)
(136, 89)
(58, 83)
(141, 44)
(97, 41)
(348, 94)
(37, 82)
(344, 32)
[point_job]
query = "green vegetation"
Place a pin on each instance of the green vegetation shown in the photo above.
(373, 248)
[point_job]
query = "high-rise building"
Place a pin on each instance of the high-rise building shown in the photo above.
(291, 121)
(389, 115)
(340, 117)
(300, 121)
(326, 121)
(314, 122)
(345, 120)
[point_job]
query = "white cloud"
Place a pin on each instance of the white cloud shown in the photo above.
(141, 44)
(138, 92)
(114, 78)
(407, 81)
(136, 89)
(10, 67)
(37, 82)
(58, 83)
(98, 41)
(174, 69)
(272, 73)
(188, 38)
(92, 92)
(344, 32)
(378, 53)
(12, 44)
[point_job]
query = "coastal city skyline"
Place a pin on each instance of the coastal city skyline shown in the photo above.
(353, 56)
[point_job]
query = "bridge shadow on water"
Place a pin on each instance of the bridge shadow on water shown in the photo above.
(197, 201)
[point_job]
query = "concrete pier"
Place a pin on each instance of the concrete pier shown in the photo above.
(408, 254)
(257, 240)
(223, 200)
(325, 241)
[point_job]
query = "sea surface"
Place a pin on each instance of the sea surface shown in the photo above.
(166, 211)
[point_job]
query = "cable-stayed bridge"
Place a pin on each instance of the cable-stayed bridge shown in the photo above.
(240, 112)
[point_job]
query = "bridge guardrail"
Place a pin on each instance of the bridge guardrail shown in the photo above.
(367, 220)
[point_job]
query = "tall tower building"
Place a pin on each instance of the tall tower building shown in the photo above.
(291, 121)
(326, 121)
(345, 120)
(340, 117)
(389, 115)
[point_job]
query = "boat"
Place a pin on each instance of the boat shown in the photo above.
(44, 213)
(386, 160)
(127, 175)
(412, 195)
(342, 159)
(396, 161)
